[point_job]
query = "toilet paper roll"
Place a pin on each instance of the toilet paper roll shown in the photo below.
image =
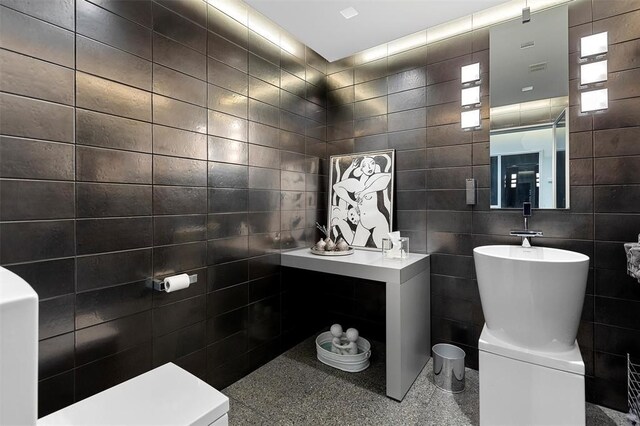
(176, 282)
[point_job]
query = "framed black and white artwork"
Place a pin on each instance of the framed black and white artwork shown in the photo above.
(361, 197)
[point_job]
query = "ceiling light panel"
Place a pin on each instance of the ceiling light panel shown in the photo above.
(349, 12)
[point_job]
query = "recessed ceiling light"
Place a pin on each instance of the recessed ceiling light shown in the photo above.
(349, 12)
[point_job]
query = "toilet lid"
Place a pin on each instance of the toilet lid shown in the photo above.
(167, 395)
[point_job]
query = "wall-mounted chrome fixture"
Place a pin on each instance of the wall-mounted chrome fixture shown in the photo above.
(593, 72)
(470, 96)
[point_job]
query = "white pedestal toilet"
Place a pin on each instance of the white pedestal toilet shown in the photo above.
(530, 367)
(167, 395)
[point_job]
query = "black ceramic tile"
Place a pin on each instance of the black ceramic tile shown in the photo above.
(104, 26)
(227, 27)
(175, 259)
(108, 338)
(19, 157)
(404, 61)
(55, 355)
(31, 200)
(103, 200)
(226, 350)
(55, 316)
(616, 227)
(180, 86)
(227, 299)
(227, 77)
(176, 27)
(107, 372)
(260, 200)
(260, 178)
(50, 278)
(34, 78)
(264, 70)
(264, 157)
(97, 306)
(179, 200)
(105, 61)
(174, 316)
(222, 175)
(227, 126)
(179, 229)
(174, 55)
(179, 171)
(227, 274)
(31, 118)
(182, 115)
(261, 134)
(98, 94)
(264, 113)
(179, 343)
(227, 200)
(24, 34)
(292, 83)
(110, 131)
(226, 325)
(55, 393)
(616, 170)
(264, 48)
(105, 165)
(179, 143)
(51, 239)
(227, 101)
(227, 52)
(57, 12)
(113, 268)
(264, 321)
(138, 11)
(225, 225)
(227, 250)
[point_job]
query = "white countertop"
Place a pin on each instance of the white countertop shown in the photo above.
(361, 264)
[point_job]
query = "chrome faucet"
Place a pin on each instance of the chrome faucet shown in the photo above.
(526, 233)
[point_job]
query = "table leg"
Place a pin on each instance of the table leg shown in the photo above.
(408, 332)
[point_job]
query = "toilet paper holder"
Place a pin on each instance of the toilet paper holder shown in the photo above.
(159, 284)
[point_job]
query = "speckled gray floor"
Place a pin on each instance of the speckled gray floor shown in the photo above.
(297, 389)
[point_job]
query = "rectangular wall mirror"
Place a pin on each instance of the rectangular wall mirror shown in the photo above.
(529, 96)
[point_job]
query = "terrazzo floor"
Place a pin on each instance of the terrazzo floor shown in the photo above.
(297, 389)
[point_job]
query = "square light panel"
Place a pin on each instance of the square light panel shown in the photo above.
(470, 119)
(470, 73)
(593, 45)
(594, 100)
(349, 13)
(593, 72)
(471, 96)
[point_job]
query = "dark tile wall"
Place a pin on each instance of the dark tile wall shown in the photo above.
(410, 101)
(142, 139)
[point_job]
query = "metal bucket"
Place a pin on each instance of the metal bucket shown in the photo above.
(448, 367)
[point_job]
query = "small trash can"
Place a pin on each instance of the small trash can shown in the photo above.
(448, 367)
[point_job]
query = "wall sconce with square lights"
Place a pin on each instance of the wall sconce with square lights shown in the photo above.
(593, 72)
(470, 96)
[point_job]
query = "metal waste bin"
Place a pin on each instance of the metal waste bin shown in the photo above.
(448, 367)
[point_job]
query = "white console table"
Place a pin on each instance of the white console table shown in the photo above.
(408, 305)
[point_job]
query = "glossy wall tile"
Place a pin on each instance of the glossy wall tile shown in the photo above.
(128, 129)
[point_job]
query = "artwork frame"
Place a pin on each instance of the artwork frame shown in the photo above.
(350, 175)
